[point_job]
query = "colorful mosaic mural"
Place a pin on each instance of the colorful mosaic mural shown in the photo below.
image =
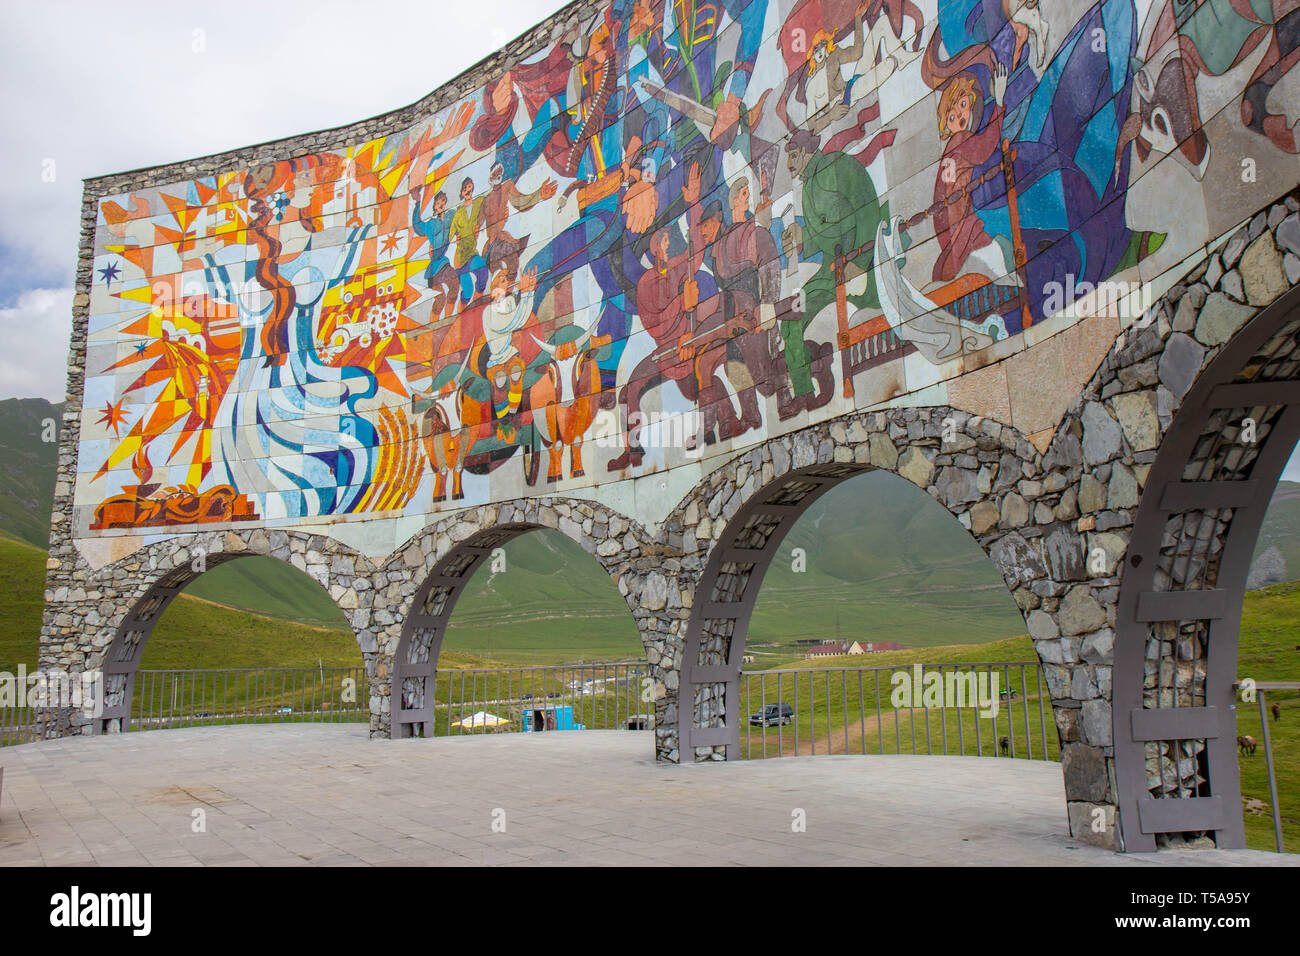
(679, 229)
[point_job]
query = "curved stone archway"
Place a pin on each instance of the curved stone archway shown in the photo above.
(987, 475)
(416, 659)
(1180, 603)
(417, 604)
(164, 569)
(1151, 437)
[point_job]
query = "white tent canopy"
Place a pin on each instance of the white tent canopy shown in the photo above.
(481, 719)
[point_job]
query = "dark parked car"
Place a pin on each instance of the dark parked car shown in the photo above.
(778, 713)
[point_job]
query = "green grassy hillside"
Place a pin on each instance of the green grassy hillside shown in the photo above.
(1281, 530)
(193, 633)
(272, 589)
(1269, 650)
(27, 465)
(552, 603)
(883, 562)
(22, 601)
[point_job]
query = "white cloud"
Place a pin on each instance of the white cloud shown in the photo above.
(102, 88)
(35, 331)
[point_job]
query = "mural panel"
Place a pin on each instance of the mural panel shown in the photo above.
(682, 228)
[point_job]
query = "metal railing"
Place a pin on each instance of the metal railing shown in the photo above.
(578, 696)
(817, 710)
(20, 725)
(936, 710)
(569, 697)
(165, 699)
(528, 699)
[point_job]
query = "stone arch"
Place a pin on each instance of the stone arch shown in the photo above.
(1111, 448)
(1180, 601)
(165, 568)
(452, 549)
(984, 473)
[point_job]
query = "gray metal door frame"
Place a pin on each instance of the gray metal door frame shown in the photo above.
(122, 658)
(731, 550)
(1217, 807)
(450, 574)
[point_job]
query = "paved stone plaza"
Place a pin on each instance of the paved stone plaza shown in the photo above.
(327, 795)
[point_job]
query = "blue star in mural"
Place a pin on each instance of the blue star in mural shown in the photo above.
(109, 272)
(140, 349)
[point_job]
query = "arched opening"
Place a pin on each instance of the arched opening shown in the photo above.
(873, 578)
(1181, 594)
(1269, 654)
(722, 625)
(528, 682)
(542, 600)
(856, 562)
(252, 638)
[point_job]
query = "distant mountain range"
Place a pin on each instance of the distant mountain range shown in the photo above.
(880, 560)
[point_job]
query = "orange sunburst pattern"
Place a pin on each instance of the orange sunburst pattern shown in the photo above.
(191, 350)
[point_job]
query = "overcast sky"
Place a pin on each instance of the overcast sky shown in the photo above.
(94, 88)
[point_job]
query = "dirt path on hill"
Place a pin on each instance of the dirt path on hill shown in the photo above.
(842, 740)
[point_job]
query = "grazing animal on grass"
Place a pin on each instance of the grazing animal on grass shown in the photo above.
(1246, 745)
(1277, 711)
(1004, 744)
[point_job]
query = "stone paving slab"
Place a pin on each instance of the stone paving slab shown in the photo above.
(327, 795)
